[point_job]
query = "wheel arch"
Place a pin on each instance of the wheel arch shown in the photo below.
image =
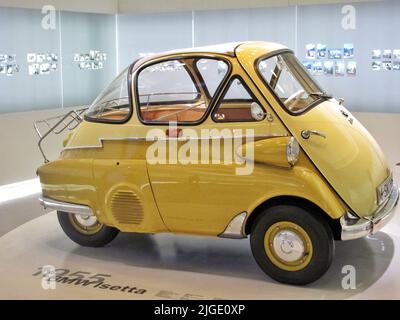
(306, 204)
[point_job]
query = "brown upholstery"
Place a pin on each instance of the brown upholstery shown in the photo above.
(231, 112)
(234, 112)
(161, 115)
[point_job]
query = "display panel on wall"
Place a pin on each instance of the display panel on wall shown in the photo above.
(386, 59)
(30, 58)
(41, 63)
(93, 60)
(8, 64)
(323, 60)
(88, 55)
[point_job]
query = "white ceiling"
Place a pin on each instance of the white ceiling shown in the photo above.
(125, 6)
(95, 6)
(141, 6)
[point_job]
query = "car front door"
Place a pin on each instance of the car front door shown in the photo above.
(339, 146)
(198, 180)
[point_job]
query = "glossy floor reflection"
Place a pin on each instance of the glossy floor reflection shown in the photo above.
(175, 266)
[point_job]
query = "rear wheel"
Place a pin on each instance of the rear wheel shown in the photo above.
(292, 245)
(86, 230)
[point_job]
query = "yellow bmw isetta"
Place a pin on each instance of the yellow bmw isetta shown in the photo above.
(232, 140)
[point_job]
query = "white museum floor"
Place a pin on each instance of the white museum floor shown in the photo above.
(176, 266)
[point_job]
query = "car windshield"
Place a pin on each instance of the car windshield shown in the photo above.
(291, 82)
(113, 103)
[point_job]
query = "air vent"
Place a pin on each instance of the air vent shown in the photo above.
(127, 207)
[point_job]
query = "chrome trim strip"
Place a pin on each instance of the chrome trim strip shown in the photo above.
(101, 140)
(234, 229)
(65, 206)
(361, 227)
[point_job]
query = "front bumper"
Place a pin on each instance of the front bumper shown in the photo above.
(65, 206)
(354, 228)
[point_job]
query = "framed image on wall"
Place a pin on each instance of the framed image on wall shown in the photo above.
(329, 68)
(387, 54)
(321, 51)
(308, 65)
(318, 68)
(12, 69)
(310, 51)
(339, 68)
(351, 68)
(387, 65)
(376, 65)
(31, 57)
(348, 51)
(376, 54)
(45, 68)
(34, 69)
(335, 53)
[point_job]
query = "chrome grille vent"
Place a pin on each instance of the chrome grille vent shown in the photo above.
(127, 207)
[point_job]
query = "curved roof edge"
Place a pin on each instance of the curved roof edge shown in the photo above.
(228, 49)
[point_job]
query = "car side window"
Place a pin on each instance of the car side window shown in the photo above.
(238, 104)
(175, 90)
(213, 72)
(112, 105)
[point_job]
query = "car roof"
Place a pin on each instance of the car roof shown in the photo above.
(228, 49)
(221, 48)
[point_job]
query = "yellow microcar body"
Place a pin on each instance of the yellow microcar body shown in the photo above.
(104, 166)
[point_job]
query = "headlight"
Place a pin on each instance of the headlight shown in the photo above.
(292, 151)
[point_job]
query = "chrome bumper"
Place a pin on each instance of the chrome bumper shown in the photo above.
(65, 206)
(354, 227)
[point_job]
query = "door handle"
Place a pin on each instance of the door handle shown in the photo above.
(174, 133)
(306, 134)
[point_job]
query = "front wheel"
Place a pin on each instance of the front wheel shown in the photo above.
(292, 245)
(86, 230)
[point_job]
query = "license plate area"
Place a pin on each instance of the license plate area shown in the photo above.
(384, 190)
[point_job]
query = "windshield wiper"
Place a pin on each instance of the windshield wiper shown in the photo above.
(323, 95)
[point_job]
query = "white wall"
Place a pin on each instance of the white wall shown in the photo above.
(76, 32)
(19, 154)
(295, 27)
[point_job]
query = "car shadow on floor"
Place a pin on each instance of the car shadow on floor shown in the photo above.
(370, 258)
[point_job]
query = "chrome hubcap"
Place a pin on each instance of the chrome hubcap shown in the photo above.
(288, 246)
(86, 221)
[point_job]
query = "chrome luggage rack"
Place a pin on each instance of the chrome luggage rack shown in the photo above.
(57, 125)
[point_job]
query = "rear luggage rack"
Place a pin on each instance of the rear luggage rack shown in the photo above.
(57, 125)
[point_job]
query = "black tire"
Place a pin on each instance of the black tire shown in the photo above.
(318, 232)
(103, 236)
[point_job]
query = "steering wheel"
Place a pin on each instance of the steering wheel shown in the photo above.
(295, 95)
